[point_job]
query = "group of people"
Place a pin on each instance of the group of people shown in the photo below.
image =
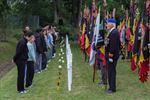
(33, 52)
(100, 41)
(103, 39)
(105, 48)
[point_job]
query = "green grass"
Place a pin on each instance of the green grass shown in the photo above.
(7, 50)
(45, 84)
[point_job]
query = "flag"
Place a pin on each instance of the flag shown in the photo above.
(128, 36)
(144, 57)
(92, 55)
(134, 26)
(137, 39)
(94, 42)
(97, 26)
(136, 48)
(82, 38)
(102, 55)
(134, 62)
(87, 45)
(143, 72)
(147, 3)
(145, 44)
(83, 30)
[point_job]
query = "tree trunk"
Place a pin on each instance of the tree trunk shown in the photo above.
(25, 20)
(78, 12)
(56, 3)
(73, 12)
(3, 26)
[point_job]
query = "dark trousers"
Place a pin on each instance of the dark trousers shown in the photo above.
(53, 51)
(44, 61)
(103, 73)
(30, 73)
(112, 75)
(21, 75)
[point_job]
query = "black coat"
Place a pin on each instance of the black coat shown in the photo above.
(21, 51)
(40, 43)
(113, 46)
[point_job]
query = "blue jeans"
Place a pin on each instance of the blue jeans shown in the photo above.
(49, 54)
(38, 64)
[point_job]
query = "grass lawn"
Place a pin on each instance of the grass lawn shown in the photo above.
(45, 84)
(7, 50)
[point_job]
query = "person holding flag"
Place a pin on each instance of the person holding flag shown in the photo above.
(112, 49)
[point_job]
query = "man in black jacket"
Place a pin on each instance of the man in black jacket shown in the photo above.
(38, 65)
(44, 49)
(112, 53)
(41, 49)
(20, 59)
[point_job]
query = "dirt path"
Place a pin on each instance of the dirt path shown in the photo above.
(5, 67)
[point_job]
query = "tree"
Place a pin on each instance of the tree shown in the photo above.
(26, 8)
(4, 11)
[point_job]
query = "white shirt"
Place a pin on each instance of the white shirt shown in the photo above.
(111, 30)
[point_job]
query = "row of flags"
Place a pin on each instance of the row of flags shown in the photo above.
(138, 33)
(92, 35)
(134, 34)
(134, 29)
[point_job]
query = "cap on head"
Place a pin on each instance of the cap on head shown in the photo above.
(111, 21)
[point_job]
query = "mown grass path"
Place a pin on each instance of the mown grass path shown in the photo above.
(45, 84)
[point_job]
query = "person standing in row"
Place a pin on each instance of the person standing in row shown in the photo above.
(20, 59)
(112, 44)
(54, 35)
(31, 61)
(41, 49)
(44, 49)
(38, 64)
(49, 44)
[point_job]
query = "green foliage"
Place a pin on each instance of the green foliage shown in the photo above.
(17, 36)
(66, 29)
(4, 11)
(68, 10)
(4, 8)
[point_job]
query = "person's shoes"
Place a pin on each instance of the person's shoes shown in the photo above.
(39, 72)
(110, 91)
(35, 71)
(46, 66)
(23, 92)
(49, 61)
(30, 86)
(45, 69)
(102, 83)
(54, 55)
